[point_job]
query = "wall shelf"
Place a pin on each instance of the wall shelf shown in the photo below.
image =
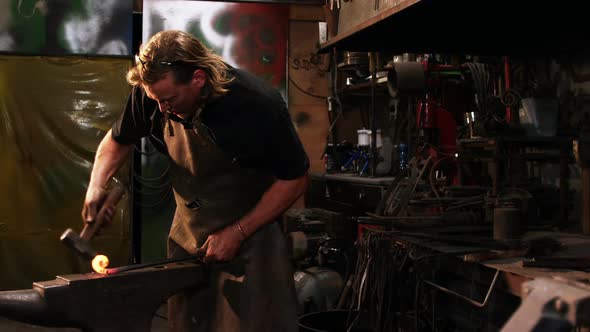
(487, 27)
(363, 89)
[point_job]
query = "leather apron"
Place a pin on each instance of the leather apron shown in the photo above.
(211, 192)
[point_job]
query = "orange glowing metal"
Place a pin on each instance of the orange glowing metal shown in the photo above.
(100, 263)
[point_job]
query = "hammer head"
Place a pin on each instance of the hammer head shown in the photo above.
(72, 240)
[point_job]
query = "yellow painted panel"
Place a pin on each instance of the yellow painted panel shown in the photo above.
(53, 113)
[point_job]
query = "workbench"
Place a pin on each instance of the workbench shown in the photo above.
(511, 269)
(447, 279)
(348, 193)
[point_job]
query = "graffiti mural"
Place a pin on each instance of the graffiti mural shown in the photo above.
(251, 36)
(57, 27)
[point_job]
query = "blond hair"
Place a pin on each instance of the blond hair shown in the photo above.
(181, 53)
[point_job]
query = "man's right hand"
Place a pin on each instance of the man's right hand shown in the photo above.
(110, 155)
(94, 199)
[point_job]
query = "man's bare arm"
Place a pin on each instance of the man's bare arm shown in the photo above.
(224, 244)
(110, 155)
(276, 200)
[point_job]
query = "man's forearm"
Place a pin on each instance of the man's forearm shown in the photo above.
(276, 200)
(110, 155)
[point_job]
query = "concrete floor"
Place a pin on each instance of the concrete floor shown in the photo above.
(159, 324)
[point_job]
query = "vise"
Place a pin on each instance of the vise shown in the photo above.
(551, 305)
(125, 301)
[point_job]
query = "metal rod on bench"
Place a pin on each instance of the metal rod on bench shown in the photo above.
(473, 302)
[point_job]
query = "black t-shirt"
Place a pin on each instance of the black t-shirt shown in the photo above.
(250, 123)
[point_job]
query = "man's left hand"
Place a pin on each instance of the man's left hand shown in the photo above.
(222, 245)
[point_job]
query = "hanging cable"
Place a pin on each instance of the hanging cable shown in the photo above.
(305, 91)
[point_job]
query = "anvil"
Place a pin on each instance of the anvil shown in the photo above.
(125, 301)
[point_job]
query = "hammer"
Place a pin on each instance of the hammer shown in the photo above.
(79, 243)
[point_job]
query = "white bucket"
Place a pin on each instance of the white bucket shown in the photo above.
(364, 137)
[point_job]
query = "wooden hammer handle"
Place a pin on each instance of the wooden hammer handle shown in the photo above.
(112, 199)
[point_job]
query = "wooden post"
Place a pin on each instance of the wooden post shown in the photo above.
(564, 185)
(586, 200)
(582, 155)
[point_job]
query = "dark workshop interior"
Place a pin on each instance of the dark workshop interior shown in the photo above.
(449, 162)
